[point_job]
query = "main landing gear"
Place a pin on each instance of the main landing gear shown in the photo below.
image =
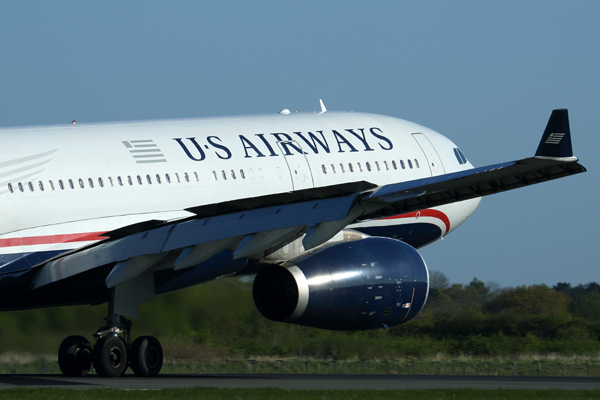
(112, 354)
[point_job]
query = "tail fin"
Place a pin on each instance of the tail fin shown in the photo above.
(556, 141)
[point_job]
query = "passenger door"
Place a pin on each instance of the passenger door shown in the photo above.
(298, 166)
(433, 159)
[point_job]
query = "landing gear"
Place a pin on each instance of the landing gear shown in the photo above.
(75, 356)
(112, 354)
(146, 356)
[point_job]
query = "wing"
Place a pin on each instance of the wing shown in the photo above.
(255, 225)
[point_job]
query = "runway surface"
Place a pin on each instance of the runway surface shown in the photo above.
(289, 381)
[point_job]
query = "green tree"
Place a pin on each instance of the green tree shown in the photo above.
(535, 300)
(437, 280)
(588, 307)
(479, 286)
(562, 287)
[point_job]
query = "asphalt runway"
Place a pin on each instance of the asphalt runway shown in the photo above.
(290, 381)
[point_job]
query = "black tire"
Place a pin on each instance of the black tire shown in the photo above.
(75, 356)
(110, 356)
(146, 356)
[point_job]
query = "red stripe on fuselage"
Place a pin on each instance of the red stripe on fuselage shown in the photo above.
(68, 238)
(425, 213)
(91, 236)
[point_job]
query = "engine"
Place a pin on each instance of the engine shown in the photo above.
(370, 283)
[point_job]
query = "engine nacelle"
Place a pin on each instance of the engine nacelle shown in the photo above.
(370, 283)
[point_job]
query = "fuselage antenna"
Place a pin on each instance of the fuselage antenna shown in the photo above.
(323, 109)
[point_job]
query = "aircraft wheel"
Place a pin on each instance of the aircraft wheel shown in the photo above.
(110, 356)
(75, 356)
(146, 356)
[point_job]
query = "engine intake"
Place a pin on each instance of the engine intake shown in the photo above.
(358, 285)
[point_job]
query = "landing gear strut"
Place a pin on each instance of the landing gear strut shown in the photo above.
(110, 351)
(112, 354)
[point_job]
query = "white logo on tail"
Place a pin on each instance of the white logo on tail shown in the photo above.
(554, 138)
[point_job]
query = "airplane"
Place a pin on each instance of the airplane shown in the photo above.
(327, 209)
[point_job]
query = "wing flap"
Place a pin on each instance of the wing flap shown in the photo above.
(307, 213)
(183, 234)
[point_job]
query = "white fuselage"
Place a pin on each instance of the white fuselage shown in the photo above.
(62, 186)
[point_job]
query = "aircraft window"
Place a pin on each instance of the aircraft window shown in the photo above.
(233, 174)
(394, 164)
(91, 183)
(377, 165)
(342, 168)
(71, 185)
(20, 185)
(30, 186)
(187, 177)
(10, 188)
(242, 174)
(215, 175)
(224, 174)
(111, 181)
(158, 178)
(333, 168)
(61, 184)
(178, 179)
(129, 180)
(417, 163)
(168, 178)
(350, 167)
(324, 168)
(139, 179)
(198, 177)
(410, 164)
(41, 185)
(459, 156)
(359, 167)
(51, 185)
(120, 181)
(100, 182)
(368, 164)
(81, 182)
(402, 164)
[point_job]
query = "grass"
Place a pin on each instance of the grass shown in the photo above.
(278, 394)
(315, 366)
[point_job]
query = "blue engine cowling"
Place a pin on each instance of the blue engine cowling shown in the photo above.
(370, 283)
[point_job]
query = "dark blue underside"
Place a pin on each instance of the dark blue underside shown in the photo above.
(23, 261)
(416, 235)
(89, 288)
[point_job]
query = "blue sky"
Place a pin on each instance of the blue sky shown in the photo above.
(485, 74)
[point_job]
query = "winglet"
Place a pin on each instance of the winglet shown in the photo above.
(556, 141)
